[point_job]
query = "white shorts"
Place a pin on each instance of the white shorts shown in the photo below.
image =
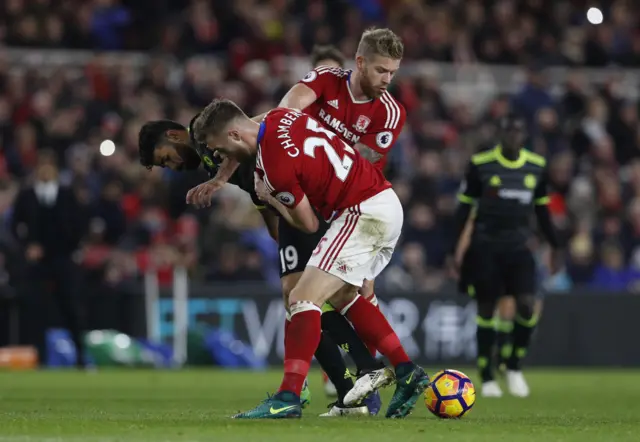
(360, 242)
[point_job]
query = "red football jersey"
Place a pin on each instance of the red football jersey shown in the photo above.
(374, 123)
(297, 156)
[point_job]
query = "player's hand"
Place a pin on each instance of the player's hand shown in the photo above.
(453, 267)
(200, 196)
(261, 189)
(556, 261)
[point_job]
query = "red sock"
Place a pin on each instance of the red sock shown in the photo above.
(301, 340)
(287, 323)
(370, 346)
(373, 327)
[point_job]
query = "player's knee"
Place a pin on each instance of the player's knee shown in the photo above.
(304, 294)
(507, 307)
(538, 307)
(525, 306)
(343, 297)
(486, 309)
(367, 289)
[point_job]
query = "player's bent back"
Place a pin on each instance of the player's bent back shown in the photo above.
(301, 158)
(308, 159)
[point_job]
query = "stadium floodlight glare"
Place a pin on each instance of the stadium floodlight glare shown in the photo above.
(107, 148)
(594, 15)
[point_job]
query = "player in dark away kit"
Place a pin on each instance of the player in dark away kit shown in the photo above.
(505, 185)
(166, 143)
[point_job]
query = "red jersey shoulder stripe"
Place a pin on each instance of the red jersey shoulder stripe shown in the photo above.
(338, 72)
(393, 111)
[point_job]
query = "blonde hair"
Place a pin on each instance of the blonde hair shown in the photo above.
(380, 41)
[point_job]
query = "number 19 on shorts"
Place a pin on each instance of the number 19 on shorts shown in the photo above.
(288, 258)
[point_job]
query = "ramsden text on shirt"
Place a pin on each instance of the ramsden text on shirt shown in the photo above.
(338, 126)
(284, 134)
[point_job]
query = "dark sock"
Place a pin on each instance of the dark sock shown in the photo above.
(522, 331)
(485, 338)
(504, 328)
(346, 337)
(330, 359)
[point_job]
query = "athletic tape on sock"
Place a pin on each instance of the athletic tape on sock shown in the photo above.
(303, 306)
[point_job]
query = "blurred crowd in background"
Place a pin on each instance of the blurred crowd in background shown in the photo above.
(52, 122)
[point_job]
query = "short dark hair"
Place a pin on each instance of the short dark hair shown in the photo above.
(326, 52)
(151, 133)
(215, 117)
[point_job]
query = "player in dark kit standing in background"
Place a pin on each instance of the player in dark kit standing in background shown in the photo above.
(505, 185)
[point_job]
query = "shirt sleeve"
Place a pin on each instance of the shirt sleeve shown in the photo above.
(282, 182)
(386, 126)
(471, 186)
(285, 187)
(540, 194)
(317, 80)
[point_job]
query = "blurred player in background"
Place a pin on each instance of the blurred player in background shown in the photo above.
(505, 185)
(358, 108)
(301, 166)
(326, 55)
(506, 304)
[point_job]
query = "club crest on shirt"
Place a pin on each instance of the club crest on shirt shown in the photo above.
(362, 123)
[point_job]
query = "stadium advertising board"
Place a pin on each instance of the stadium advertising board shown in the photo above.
(576, 330)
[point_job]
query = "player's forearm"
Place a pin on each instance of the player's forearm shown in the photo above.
(271, 221)
(226, 169)
(282, 210)
(299, 96)
(460, 221)
(367, 153)
(311, 226)
(464, 241)
(546, 226)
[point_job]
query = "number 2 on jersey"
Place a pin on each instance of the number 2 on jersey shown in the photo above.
(341, 166)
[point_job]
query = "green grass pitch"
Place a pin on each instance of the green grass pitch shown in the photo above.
(195, 405)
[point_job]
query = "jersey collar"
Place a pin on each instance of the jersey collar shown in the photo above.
(351, 93)
(510, 164)
(263, 127)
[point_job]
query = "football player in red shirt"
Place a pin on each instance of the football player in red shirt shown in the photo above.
(294, 247)
(301, 165)
(358, 108)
